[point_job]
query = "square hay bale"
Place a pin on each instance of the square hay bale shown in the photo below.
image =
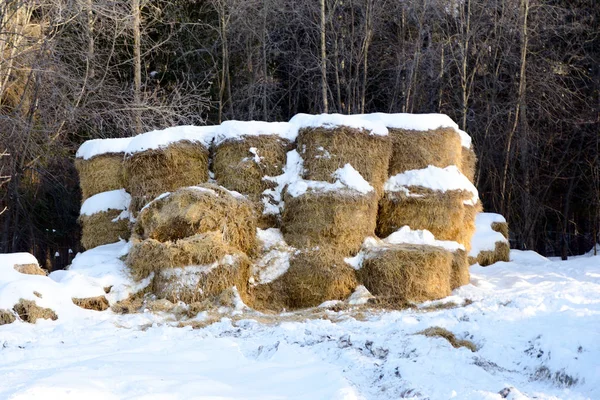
(337, 219)
(314, 276)
(30, 312)
(485, 258)
(406, 272)
(412, 149)
(102, 173)
(324, 151)
(441, 213)
(191, 269)
(468, 164)
(200, 209)
(460, 270)
(103, 228)
(153, 172)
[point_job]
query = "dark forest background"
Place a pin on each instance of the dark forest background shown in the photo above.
(521, 76)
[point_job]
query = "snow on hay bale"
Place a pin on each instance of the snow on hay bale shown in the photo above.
(99, 163)
(327, 142)
(431, 198)
(162, 161)
(338, 215)
(420, 140)
(192, 269)
(199, 209)
(248, 153)
(104, 218)
(489, 244)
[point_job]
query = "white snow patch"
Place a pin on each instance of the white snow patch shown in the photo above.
(347, 179)
(275, 259)
(360, 296)
(96, 147)
(162, 138)
(332, 121)
(434, 178)
(485, 238)
(236, 130)
(418, 237)
(12, 259)
(101, 202)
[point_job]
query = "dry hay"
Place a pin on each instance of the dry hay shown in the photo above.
(460, 270)
(419, 149)
(314, 276)
(471, 212)
(190, 269)
(333, 219)
(441, 213)
(6, 317)
(501, 252)
(468, 164)
(98, 303)
(326, 150)
(501, 227)
(153, 172)
(30, 312)
(30, 269)
(101, 173)
(407, 272)
(189, 211)
(436, 331)
(98, 229)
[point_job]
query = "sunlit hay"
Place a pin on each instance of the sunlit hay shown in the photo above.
(98, 303)
(501, 252)
(471, 212)
(201, 209)
(6, 317)
(460, 270)
(338, 219)
(501, 227)
(153, 172)
(324, 151)
(128, 306)
(407, 272)
(238, 168)
(436, 331)
(441, 213)
(30, 312)
(190, 269)
(419, 149)
(103, 228)
(30, 269)
(101, 173)
(314, 276)
(468, 164)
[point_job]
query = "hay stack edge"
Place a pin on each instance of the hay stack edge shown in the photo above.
(290, 215)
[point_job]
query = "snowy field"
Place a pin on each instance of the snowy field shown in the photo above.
(535, 322)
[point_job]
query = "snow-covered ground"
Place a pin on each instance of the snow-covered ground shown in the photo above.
(535, 322)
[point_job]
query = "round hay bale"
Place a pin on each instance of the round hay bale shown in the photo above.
(99, 174)
(460, 270)
(314, 276)
(485, 258)
(337, 219)
(103, 228)
(441, 213)
(191, 269)
(404, 272)
(412, 149)
(152, 172)
(199, 209)
(468, 164)
(240, 164)
(325, 150)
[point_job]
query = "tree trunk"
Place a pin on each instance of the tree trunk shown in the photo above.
(323, 59)
(137, 65)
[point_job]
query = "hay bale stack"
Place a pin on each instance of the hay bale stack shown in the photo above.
(191, 269)
(196, 210)
(339, 219)
(314, 276)
(328, 142)
(99, 163)
(490, 241)
(247, 152)
(430, 199)
(162, 161)
(468, 165)
(104, 218)
(400, 273)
